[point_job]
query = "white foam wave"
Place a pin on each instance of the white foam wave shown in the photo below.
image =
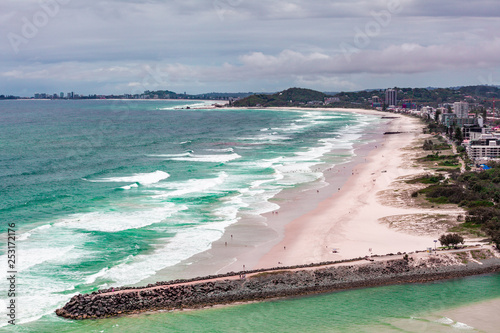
(128, 187)
(208, 158)
(221, 150)
(266, 138)
(171, 155)
(192, 186)
(35, 256)
(445, 320)
(257, 200)
(184, 244)
(194, 105)
(91, 278)
(114, 221)
(44, 267)
(38, 297)
(28, 234)
(141, 178)
(462, 326)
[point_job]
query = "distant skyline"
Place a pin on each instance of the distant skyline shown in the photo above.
(198, 46)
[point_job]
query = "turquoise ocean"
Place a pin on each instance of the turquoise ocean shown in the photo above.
(107, 193)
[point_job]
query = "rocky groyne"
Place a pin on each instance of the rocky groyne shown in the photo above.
(248, 286)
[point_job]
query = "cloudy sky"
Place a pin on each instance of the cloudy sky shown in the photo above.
(128, 46)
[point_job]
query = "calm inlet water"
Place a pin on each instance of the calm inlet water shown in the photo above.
(107, 193)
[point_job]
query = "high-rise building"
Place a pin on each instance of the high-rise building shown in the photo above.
(461, 109)
(391, 97)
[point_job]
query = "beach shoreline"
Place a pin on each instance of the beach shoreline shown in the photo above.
(251, 238)
(319, 223)
(349, 221)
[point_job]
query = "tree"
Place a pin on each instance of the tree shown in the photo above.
(451, 239)
(436, 116)
(458, 135)
(450, 131)
(492, 229)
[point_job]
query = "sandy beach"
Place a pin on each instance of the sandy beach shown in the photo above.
(323, 223)
(348, 222)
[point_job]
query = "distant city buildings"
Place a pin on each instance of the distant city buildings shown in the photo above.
(391, 97)
(146, 95)
(461, 109)
(330, 100)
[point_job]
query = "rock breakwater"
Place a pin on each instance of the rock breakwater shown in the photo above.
(252, 286)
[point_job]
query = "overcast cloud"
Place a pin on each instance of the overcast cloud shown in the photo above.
(121, 46)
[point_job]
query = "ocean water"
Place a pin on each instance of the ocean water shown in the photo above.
(107, 193)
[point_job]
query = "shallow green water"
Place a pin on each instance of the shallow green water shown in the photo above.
(400, 308)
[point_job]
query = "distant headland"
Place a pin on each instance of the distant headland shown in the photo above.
(365, 99)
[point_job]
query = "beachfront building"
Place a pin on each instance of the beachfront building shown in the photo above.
(448, 119)
(376, 102)
(475, 133)
(391, 97)
(461, 109)
(484, 147)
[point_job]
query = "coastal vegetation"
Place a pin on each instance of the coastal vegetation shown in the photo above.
(363, 99)
(477, 192)
(433, 145)
(451, 239)
(289, 97)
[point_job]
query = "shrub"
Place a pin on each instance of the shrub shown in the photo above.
(451, 239)
(492, 229)
(481, 215)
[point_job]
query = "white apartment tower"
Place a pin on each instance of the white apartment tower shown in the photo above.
(391, 97)
(461, 109)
